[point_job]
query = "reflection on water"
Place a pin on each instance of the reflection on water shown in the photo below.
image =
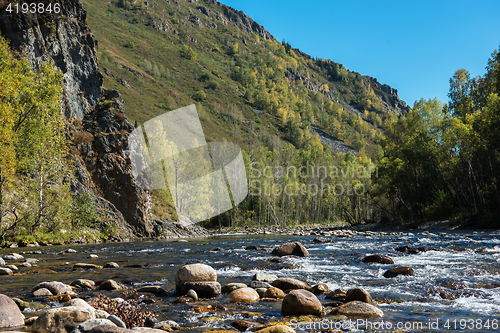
(405, 298)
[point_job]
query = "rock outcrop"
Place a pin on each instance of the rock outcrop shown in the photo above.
(67, 40)
(103, 168)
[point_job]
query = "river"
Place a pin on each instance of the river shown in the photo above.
(471, 257)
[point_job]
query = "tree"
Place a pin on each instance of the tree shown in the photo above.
(188, 53)
(33, 137)
(10, 84)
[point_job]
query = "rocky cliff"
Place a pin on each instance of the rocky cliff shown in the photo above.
(66, 39)
(96, 117)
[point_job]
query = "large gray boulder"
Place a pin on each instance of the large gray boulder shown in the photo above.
(204, 289)
(62, 320)
(194, 273)
(55, 287)
(90, 324)
(10, 315)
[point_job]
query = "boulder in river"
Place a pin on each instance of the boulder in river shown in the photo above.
(91, 323)
(357, 309)
(301, 302)
(259, 284)
(274, 292)
(2, 262)
(320, 288)
(55, 287)
(204, 289)
(393, 272)
(232, 286)
(10, 315)
(264, 277)
(194, 273)
(323, 240)
(378, 258)
(358, 294)
(292, 248)
(42, 292)
(109, 285)
(244, 295)
(61, 320)
(411, 249)
(83, 283)
(289, 284)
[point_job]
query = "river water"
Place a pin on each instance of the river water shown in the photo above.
(472, 258)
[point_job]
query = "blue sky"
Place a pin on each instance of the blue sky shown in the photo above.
(414, 46)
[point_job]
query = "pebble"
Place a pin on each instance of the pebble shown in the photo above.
(191, 293)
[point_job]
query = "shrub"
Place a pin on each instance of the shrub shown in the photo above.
(82, 137)
(128, 311)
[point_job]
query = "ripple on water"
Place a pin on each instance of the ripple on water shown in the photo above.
(335, 264)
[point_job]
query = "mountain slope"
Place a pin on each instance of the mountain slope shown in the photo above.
(249, 88)
(146, 52)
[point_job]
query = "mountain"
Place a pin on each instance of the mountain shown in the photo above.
(134, 60)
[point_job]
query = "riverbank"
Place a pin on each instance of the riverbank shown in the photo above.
(337, 229)
(173, 230)
(449, 276)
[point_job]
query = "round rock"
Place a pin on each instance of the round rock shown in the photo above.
(378, 258)
(393, 272)
(319, 289)
(191, 293)
(244, 295)
(289, 284)
(357, 309)
(301, 302)
(358, 294)
(194, 273)
(274, 292)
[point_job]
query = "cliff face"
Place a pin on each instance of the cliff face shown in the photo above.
(102, 166)
(67, 40)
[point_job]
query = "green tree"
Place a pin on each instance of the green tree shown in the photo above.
(35, 133)
(188, 53)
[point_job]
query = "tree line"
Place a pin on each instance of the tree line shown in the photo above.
(35, 198)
